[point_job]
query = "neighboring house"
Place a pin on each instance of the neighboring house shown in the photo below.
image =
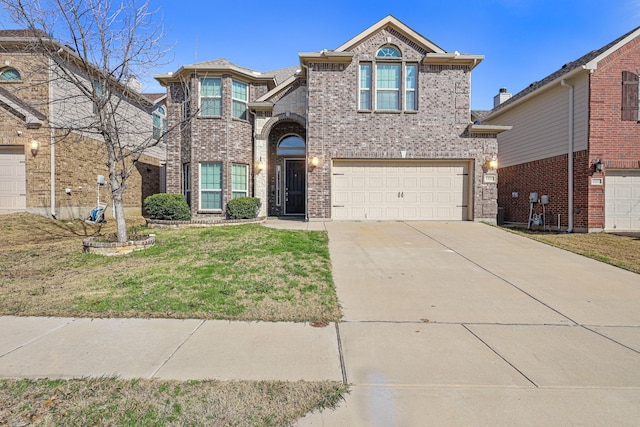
(588, 108)
(45, 173)
(377, 129)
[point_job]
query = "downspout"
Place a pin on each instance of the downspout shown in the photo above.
(52, 147)
(570, 157)
(253, 156)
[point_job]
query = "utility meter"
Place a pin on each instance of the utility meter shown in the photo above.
(533, 197)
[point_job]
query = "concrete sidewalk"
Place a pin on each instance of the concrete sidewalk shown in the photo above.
(444, 325)
(37, 347)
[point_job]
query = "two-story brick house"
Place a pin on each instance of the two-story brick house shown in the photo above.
(589, 108)
(46, 170)
(376, 129)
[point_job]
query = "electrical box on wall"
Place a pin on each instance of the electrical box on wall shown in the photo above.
(533, 197)
(544, 199)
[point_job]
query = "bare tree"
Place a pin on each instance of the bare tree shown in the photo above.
(93, 49)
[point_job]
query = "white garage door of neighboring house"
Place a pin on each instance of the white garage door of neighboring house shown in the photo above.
(400, 190)
(622, 201)
(12, 179)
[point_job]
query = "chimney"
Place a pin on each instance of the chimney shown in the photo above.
(133, 83)
(501, 97)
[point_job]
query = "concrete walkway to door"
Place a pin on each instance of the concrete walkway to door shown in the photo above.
(467, 324)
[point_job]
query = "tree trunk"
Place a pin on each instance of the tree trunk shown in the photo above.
(118, 207)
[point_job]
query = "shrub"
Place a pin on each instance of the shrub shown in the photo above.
(167, 206)
(243, 208)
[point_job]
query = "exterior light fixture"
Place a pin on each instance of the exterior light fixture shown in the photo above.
(260, 165)
(598, 166)
(35, 146)
(491, 164)
(314, 162)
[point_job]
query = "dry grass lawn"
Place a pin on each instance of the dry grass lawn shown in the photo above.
(245, 272)
(619, 250)
(117, 402)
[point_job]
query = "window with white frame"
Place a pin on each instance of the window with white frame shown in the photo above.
(365, 86)
(98, 92)
(239, 99)
(389, 83)
(210, 97)
(239, 180)
(159, 123)
(211, 186)
(9, 74)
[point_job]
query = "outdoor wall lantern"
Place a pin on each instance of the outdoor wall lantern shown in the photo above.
(492, 164)
(260, 165)
(314, 162)
(598, 166)
(35, 146)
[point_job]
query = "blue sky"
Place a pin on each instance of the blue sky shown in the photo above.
(522, 40)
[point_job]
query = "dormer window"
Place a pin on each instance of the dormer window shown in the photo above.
(388, 83)
(9, 74)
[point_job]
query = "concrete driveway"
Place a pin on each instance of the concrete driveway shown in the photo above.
(466, 324)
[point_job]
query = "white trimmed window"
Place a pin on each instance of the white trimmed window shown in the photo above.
(239, 100)
(365, 86)
(9, 74)
(410, 86)
(210, 97)
(211, 186)
(159, 123)
(239, 180)
(393, 85)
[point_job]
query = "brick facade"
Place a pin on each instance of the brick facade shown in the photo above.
(77, 159)
(610, 139)
(320, 105)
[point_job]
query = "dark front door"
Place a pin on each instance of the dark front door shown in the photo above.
(294, 187)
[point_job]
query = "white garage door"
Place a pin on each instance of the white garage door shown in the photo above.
(622, 201)
(400, 190)
(12, 179)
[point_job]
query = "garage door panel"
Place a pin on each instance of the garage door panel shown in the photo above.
(12, 179)
(420, 190)
(622, 200)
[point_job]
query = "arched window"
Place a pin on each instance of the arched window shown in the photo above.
(388, 82)
(9, 74)
(291, 145)
(388, 52)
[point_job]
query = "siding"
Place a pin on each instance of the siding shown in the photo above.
(541, 125)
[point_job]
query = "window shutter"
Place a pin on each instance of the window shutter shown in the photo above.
(629, 96)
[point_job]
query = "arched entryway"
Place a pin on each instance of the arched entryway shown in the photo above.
(287, 171)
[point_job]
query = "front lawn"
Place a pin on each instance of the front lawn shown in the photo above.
(117, 402)
(241, 272)
(621, 251)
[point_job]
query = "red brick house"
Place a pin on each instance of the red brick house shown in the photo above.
(46, 170)
(588, 108)
(376, 129)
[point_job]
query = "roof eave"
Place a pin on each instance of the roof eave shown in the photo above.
(398, 25)
(326, 56)
(495, 129)
(453, 58)
(571, 74)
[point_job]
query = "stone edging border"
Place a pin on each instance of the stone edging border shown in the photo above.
(161, 223)
(93, 245)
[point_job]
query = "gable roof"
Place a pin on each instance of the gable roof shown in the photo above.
(390, 20)
(586, 62)
(26, 112)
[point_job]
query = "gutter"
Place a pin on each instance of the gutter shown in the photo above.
(570, 156)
